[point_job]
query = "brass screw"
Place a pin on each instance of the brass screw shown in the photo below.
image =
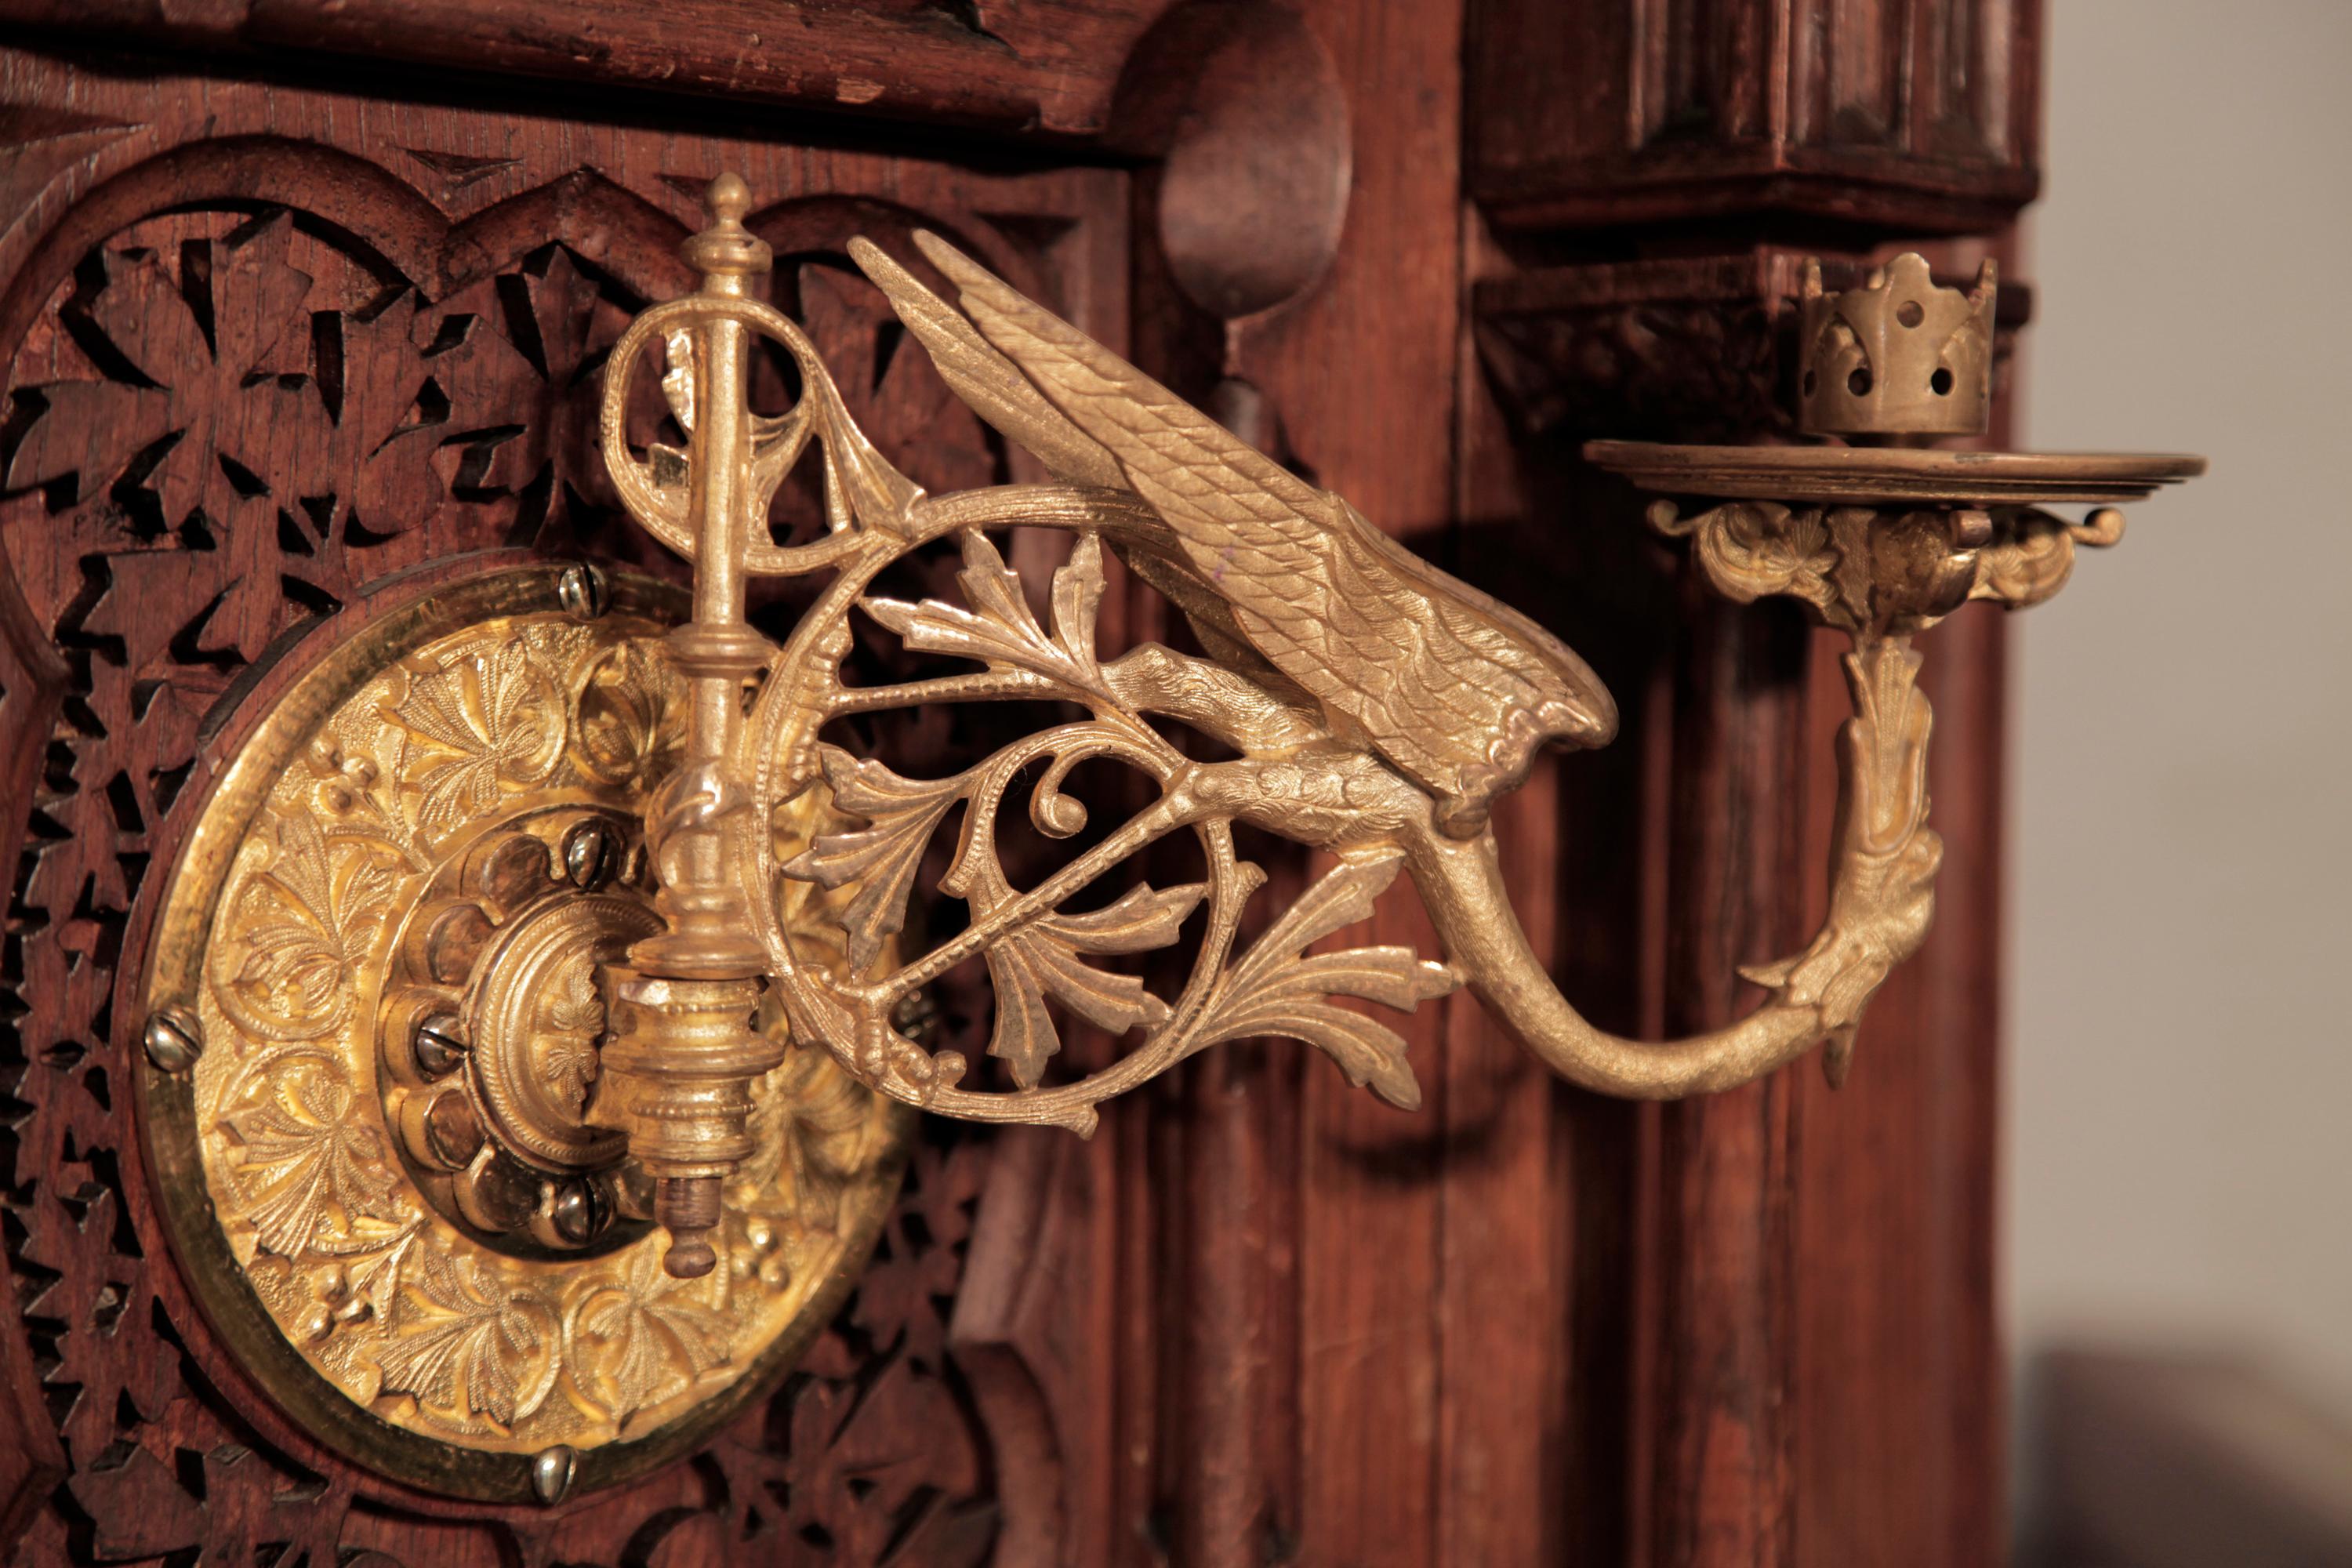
(551, 1472)
(687, 1208)
(452, 1131)
(590, 855)
(582, 592)
(175, 1039)
(439, 1046)
(581, 1211)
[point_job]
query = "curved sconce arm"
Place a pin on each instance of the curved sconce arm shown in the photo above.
(1375, 706)
(1880, 575)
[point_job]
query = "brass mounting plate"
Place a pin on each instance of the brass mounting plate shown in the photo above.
(385, 1328)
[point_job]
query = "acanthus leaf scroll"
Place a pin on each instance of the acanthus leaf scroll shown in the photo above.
(1374, 706)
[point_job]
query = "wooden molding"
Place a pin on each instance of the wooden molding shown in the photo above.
(1047, 68)
(1682, 349)
(1914, 118)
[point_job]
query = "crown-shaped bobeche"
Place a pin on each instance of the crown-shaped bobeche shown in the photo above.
(1898, 356)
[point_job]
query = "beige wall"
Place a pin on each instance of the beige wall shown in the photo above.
(2179, 1066)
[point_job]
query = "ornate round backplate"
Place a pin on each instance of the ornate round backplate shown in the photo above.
(370, 1097)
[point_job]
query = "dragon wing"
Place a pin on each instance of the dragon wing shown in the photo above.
(994, 389)
(1455, 691)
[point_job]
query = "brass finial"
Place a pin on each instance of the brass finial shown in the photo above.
(727, 198)
(1898, 356)
(727, 252)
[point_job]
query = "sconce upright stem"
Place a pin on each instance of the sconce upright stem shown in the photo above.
(684, 1049)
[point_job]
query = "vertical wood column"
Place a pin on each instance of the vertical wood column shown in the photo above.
(1723, 1454)
(1814, 1376)
(1366, 374)
(1281, 142)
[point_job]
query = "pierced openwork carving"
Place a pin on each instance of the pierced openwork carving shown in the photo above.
(1351, 698)
(175, 519)
(1317, 686)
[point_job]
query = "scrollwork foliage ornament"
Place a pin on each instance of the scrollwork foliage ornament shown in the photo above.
(1036, 951)
(1370, 706)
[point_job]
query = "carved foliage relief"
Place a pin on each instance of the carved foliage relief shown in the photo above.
(227, 422)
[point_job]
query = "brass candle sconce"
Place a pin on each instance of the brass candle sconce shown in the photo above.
(531, 1039)
(1881, 539)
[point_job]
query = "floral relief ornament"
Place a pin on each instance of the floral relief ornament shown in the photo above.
(307, 923)
(655, 1336)
(491, 720)
(573, 1018)
(310, 1163)
(475, 1350)
(428, 1327)
(1357, 700)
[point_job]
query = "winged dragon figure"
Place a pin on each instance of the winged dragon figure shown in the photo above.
(1280, 580)
(1380, 706)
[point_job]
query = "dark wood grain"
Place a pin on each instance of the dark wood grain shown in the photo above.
(1810, 1333)
(1364, 370)
(1918, 116)
(1259, 1318)
(1040, 67)
(1724, 1450)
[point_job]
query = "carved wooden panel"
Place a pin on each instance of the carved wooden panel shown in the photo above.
(270, 346)
(1913, 114)
(267, 349)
